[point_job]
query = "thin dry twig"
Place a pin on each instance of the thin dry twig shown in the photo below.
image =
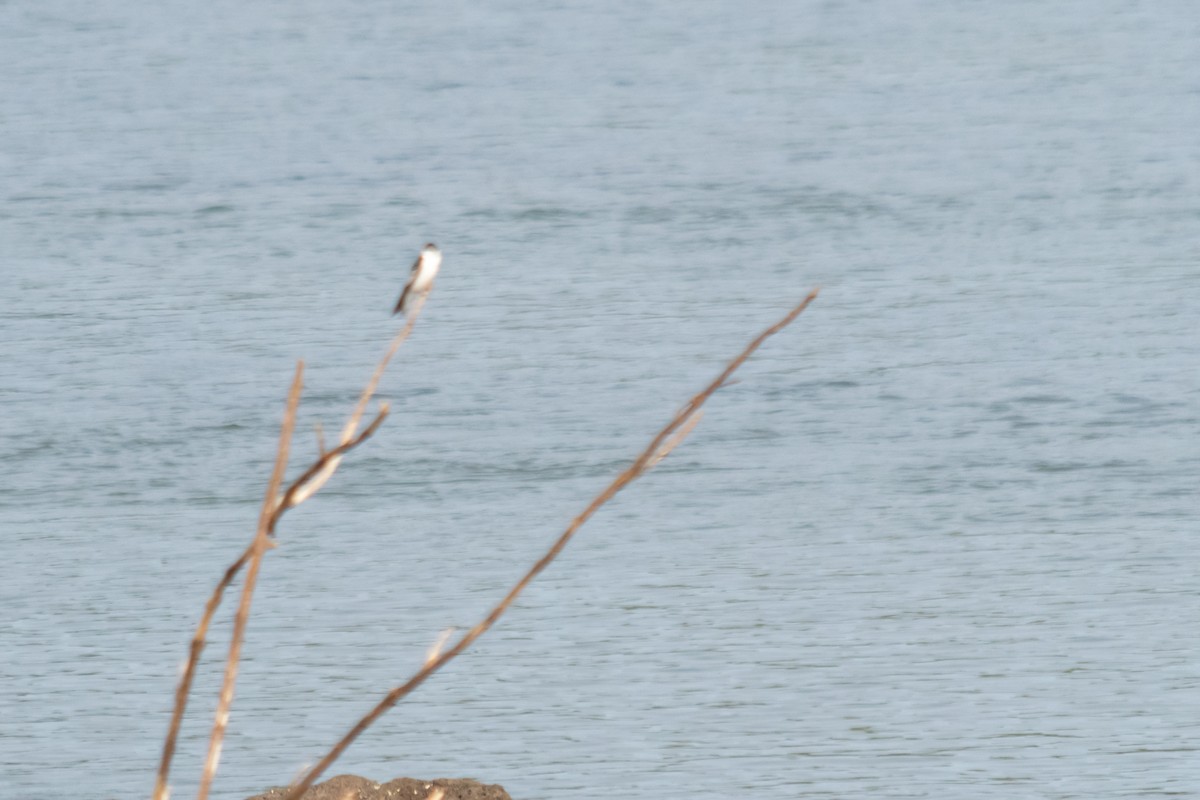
(262, 543)
(297, 492)
(189, 673)
(683, 422)
(319, 478)
(210, 608)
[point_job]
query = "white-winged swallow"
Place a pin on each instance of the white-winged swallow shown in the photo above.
(420, 280)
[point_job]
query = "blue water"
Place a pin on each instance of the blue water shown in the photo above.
(939, 540)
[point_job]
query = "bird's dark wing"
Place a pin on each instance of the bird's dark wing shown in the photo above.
(400, 302)
(411, 274)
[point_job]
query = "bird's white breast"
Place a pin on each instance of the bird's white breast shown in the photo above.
(431, 262)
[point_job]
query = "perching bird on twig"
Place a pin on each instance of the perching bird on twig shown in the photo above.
(420, 280)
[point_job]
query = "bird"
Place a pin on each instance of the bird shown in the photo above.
(420, 280)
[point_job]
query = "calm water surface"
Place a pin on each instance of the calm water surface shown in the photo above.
(938, 542)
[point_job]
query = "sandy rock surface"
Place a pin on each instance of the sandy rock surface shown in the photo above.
(353, 787)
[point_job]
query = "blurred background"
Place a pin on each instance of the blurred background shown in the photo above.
(937, 542)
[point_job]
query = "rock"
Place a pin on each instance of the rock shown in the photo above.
(353, 787)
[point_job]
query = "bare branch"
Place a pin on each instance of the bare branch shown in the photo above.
(299, 491)
(189, 673)
(659, 446)
(260, 546)
(199, 638)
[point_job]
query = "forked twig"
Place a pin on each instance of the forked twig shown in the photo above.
(198, 639)
(297, 492)
(302, 487)
(683, 422)
(318, 478)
